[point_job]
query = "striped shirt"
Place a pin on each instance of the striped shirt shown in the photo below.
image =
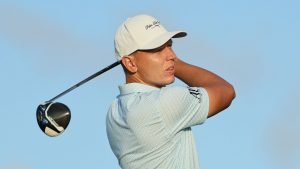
(150, 127)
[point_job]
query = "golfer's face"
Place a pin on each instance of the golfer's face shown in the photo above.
(156, 66)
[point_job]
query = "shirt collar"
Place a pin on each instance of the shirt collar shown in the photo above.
(135, 88)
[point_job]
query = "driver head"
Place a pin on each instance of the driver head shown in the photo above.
(53, 118)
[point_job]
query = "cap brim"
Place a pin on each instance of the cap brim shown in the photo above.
(162, 39)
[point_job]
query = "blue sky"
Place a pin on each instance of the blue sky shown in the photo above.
(48, 46)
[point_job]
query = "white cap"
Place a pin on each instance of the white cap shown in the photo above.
(141, 32)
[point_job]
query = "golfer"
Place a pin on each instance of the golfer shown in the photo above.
(149, 123)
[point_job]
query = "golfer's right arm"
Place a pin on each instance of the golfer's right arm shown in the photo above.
(220, 92)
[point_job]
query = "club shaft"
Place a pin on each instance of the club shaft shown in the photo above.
(86, 80)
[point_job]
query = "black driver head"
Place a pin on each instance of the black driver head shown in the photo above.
(53, 118)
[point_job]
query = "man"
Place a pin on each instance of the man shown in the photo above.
(149, 123)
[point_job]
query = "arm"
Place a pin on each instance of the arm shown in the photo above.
(220, 92)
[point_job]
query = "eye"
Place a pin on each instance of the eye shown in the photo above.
(170, 43)
(159, 49)
(155, 50)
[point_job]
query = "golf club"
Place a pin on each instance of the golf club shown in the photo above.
(54, 117)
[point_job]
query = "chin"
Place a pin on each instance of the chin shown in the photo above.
(165, 82)
(170, 81)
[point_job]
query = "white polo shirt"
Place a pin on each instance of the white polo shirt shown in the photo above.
(148, 127)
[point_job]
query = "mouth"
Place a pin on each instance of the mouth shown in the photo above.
(170, 70)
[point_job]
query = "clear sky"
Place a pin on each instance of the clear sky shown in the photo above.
(48, 46)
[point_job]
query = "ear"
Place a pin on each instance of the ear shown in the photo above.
(129, 63)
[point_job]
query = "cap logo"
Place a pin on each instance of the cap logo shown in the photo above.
(154, 24)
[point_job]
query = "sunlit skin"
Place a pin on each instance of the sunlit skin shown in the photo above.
(153, 67)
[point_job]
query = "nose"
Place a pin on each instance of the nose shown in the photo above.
(169, 53)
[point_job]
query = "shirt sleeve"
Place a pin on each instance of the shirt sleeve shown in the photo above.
(183, 107)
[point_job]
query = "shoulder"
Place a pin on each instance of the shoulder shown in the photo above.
(179, 98)
(173, 90)
(181, 91)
